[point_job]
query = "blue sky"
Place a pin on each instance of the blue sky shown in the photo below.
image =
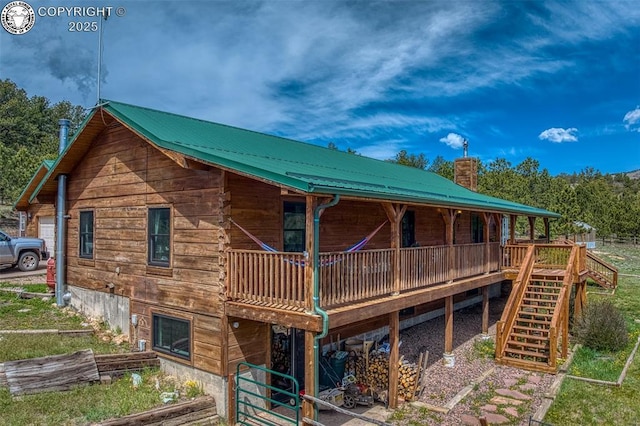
(556, 81)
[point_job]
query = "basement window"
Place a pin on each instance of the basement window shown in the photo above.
(86, 235)
(172, 336)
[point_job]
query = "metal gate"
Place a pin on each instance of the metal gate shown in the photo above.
(254, 407)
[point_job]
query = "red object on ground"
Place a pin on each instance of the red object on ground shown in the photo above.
(51, 273)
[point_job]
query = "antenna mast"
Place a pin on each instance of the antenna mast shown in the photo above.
(100, 49)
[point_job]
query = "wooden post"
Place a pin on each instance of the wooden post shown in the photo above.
(577, 307)
(448, 324)
(309, 374)
(394, 357)
(497, 218)
(309, 242)
(512, 228)
(231, 395)
(449, 218)
(309, 336)
(532, 228)
(486, 220)
(485, 309)
(547, 230)
(565, 328)
(395, 213)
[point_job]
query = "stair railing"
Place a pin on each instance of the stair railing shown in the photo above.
(560, 318)
(504, 326)
(607, 271)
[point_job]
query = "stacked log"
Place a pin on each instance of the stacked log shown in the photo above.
(377, 376)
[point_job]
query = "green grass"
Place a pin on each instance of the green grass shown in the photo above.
(581, 403)
(14, 346)
(36, 313)
(590, 404)
(84, 404)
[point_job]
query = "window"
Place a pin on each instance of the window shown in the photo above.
(86, 235)
(294, 226)
(409, 229)
(477, 228)
(172, 336)
(159, 244)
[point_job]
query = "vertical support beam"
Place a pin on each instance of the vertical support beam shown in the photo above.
(532, 228)
(512, 228)
(395, 213)
(497, 218)
(309, 374)
(565, 328)
(547, 230)
(310, 360)
(485, 310)
(394, 357)
(486, 220)
(449, 218)
(448, 324)
(311, 203)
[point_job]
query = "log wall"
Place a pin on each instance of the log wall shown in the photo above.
(119, 178)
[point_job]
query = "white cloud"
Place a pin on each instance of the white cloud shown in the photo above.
(632, 120)
(559, 135)
(454, 140)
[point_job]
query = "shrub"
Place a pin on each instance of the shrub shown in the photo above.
(602, 327)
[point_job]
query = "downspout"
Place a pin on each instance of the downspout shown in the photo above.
(61, 225)
(316, 292)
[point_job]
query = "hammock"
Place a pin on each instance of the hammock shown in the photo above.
(357, 246)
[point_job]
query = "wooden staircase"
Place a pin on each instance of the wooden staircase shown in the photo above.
(537, 309)
(528, 340)
(603, 273)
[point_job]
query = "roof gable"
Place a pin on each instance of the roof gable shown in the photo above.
(22, 203)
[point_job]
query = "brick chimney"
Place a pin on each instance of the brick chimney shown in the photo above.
(465, 170)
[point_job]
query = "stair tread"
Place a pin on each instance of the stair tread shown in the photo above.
(538, 330)
(526, 353)
(538, 299)
(529, 336)
(535, 314)
(526, 345)
(534, 321)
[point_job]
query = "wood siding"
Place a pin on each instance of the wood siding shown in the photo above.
(39, 210)
(119, 178)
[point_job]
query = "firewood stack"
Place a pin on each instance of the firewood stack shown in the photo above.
(377, 376)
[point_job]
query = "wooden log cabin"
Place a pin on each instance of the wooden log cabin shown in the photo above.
(201, 239)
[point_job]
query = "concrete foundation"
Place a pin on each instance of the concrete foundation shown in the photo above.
(213, 385)
(111, 308)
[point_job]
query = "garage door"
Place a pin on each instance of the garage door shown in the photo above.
(47, 231)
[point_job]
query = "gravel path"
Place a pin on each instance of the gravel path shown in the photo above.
(444, 383)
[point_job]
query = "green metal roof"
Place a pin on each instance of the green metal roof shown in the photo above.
(302, 166)
(22, 202)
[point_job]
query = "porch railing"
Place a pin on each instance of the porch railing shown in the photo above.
(266, 277)
(547, 256)
(277, 278)
(349, 277)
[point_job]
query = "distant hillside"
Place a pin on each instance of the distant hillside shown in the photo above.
(634, 174)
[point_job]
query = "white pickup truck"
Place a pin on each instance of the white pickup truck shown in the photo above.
(25, 253)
